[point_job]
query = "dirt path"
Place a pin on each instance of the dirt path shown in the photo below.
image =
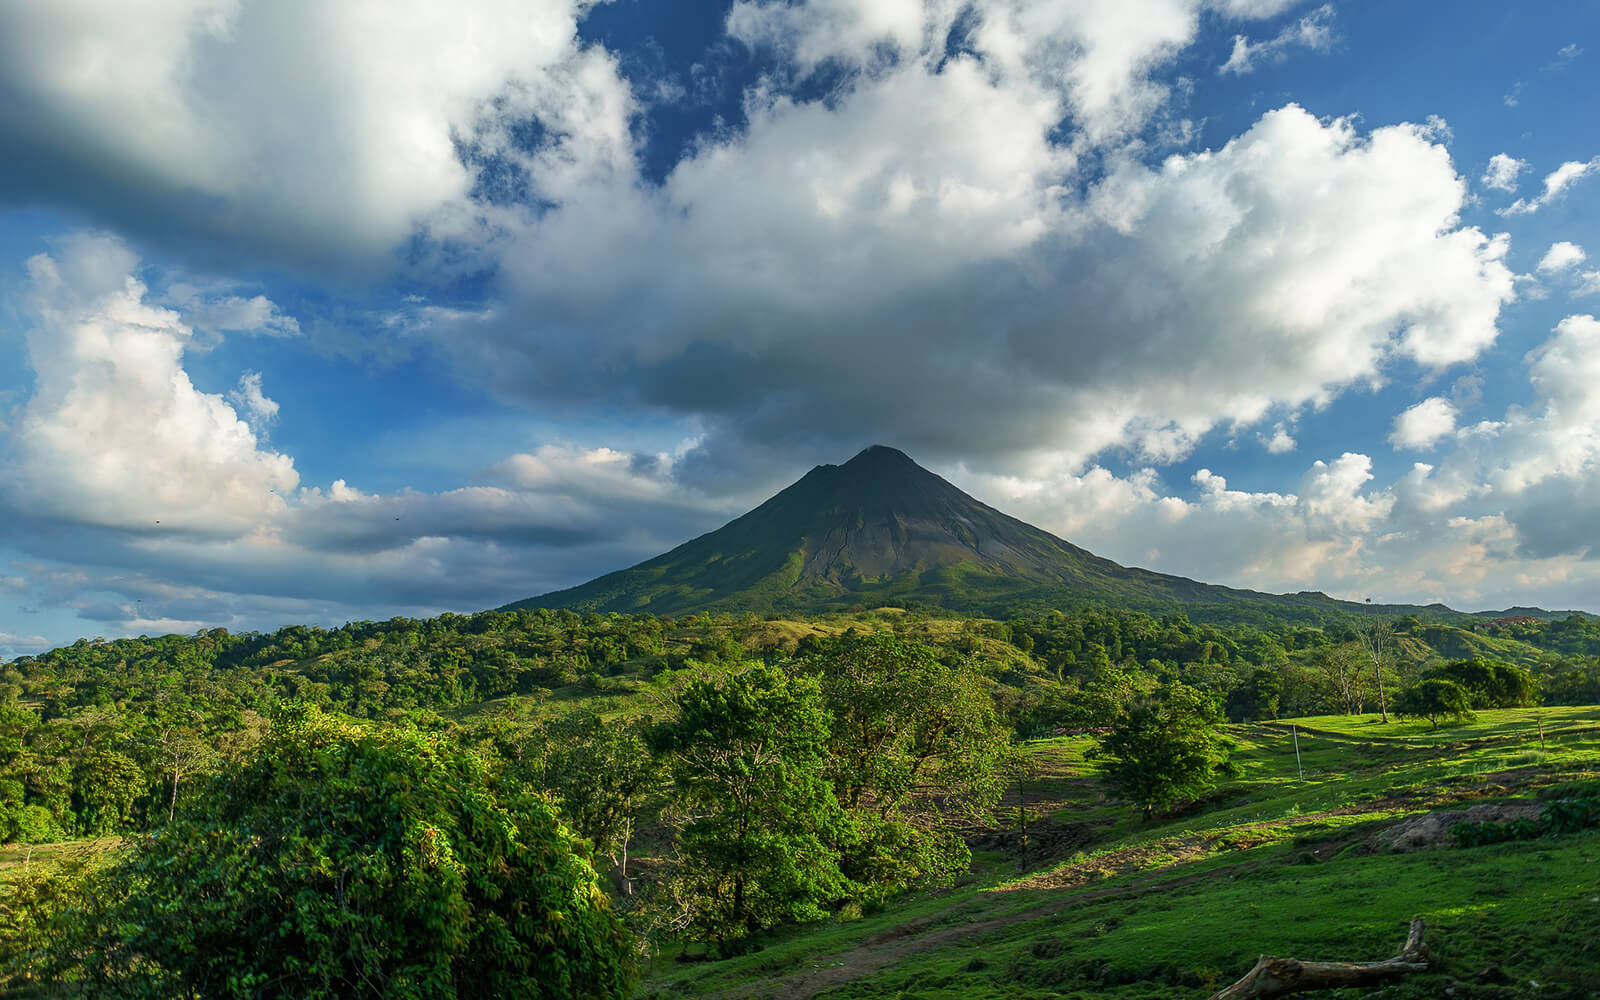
(892, 946)
(889, 947)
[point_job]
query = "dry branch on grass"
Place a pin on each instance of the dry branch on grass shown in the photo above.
(1274, 977)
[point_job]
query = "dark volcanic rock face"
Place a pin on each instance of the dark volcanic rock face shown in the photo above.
(881, 515)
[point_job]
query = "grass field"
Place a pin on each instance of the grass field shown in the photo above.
(1280, 861)
(18, 858)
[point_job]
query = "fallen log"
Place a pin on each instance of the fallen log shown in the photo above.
(1275, 977)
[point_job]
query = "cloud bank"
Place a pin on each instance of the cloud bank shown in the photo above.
(989, 233)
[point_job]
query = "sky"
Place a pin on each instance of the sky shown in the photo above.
(316, 311)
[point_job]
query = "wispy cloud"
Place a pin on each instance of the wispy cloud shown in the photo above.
(1556, 184)
(1313, 31)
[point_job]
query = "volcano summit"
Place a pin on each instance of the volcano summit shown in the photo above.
(881, 530)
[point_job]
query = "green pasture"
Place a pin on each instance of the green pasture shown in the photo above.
(1280, 860)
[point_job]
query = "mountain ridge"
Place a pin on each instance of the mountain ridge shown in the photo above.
(881, 530)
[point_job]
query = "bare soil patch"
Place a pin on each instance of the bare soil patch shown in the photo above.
(1432, 829)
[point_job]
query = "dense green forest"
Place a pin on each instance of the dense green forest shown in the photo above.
(102, 737)
(719, 775)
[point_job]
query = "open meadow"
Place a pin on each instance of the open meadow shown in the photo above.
(1274, 863)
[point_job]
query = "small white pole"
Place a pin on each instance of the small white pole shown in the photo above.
(1295, 731)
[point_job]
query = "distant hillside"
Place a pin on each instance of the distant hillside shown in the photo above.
(881, 530)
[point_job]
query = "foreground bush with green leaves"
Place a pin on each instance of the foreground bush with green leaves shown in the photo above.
(343, 862)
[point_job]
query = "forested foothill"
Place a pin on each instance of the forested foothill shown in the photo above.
(547, 803)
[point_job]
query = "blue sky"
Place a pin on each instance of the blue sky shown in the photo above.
(311, 311)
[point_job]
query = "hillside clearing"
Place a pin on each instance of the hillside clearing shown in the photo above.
(1275, 864)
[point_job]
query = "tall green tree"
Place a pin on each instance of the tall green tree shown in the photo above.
(915, 746)
(1257, 697)
(1434, 699)
(1166, 749)
(1492, 683)
(754, 806)
(603, 776)
(106, 785)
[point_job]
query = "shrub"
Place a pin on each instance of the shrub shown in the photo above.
(1165, 750)
(1557, 817)
(346, 862)
(1492, 683)
(1434, 699)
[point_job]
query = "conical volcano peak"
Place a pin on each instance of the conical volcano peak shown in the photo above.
(881, 455)
(879, 483)
(880, 524)
(872, 463)
(879, 528)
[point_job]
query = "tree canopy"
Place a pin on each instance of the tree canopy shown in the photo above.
(914, 739)
(756, 812)
(1434, 699)
(1492, 683)
(1164, 750)
(343, 861)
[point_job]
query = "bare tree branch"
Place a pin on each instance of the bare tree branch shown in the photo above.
(1276, 977)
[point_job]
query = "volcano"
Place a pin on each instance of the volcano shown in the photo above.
(880, 530)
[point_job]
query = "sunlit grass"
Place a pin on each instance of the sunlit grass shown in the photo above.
(1281, 861)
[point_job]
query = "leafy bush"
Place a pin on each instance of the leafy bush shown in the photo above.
(42, 925)
(1164, 750)
(1492, 683)
(1569, 815)
(348, 862)
(1557, 817)
(1434, 699)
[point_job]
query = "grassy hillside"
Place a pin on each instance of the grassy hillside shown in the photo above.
(1277, 863)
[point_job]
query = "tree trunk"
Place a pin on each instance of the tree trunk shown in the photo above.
(627, 835)
(1274, 977)
(1022, 822)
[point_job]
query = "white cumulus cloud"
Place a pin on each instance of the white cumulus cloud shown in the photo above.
(320, 132)
(223, 312)
(145, 503)
(1280, 442)
(907, 247)
(1502, 172)
(1503, 516)
(115, 432)
(1422, 425)
(259, 411)
(1312, 31)
(1562, 256)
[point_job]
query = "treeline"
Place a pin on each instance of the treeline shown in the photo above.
(103, 737)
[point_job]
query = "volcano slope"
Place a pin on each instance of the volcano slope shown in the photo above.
(1276, 863)
(880, 530)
